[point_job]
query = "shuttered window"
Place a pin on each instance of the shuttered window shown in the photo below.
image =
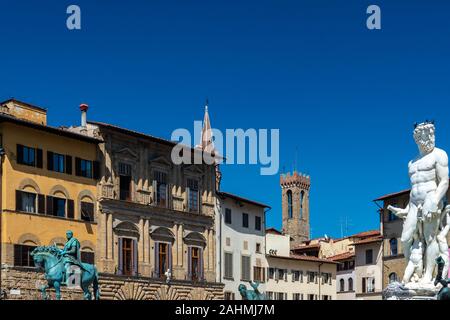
(228, 258)
(27, 155)
(25, 201)
(87, 211)
(22, 255)
(245, 268)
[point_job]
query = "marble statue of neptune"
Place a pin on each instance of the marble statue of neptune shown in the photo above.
(425, 218)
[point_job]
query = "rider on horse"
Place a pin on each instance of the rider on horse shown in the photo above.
(71, 255)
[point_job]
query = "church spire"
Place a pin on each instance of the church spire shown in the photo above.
(206, 142)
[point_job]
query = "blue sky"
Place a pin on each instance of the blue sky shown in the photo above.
(344, 96)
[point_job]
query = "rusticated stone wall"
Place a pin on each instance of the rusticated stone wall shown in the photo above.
(23, 284)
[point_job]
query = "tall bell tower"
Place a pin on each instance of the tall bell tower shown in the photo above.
(295, 205)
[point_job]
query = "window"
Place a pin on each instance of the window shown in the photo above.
(228, 257)
(326, 278)
(163, 256)
(393, 277)
(245, 268)
(90, 169)
(302, 196)
(271, 274)
(29, 156)
(297, 296)
(259, 274)
(258, 248)
(393, 246)
(269, 295)
(125, 181)
(311, 276)
(85, 168)
(311, 297)
(88, 257)
(281, 295)
(229, 295)
(193, 195)
(22, 255)
(295, 275)
(87, 211)
(342, 285)
(392, 217)
(59, 207)
(289, 203)
(351, 265)
(56, 162)
(196, 263)
(161, 188)
(228, 216)
(369, 256)
(282, 274)
(257, 223)
(26, 201)
(245, 220)
(326, 297)
(368, 285)
(350, 284)
(127, 256)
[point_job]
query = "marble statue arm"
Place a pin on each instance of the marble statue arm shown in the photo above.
(399, 212)
(442, 176)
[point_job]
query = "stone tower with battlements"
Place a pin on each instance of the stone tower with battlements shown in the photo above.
(295, 205)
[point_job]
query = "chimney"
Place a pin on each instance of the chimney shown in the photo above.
(83, 108)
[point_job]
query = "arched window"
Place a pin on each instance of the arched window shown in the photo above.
(393, 246)
(289, 201)
(342, 285)
(350, 284)
(393, 277)
(302, 196)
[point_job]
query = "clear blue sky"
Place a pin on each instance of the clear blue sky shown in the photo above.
(345, 96)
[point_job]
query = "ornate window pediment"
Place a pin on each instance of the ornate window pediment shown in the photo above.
(162, 234)
(160, 161)
(194, 238)
(194, 169)
(127, 152)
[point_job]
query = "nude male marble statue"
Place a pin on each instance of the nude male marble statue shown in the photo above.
(425, 212)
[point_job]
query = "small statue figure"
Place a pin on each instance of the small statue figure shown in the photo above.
(251, 294)
(168, 275)
(444, 293)
(414, 268)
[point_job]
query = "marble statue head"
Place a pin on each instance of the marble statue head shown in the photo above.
(424, 136)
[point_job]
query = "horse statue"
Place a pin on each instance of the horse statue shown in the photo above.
(50, 259)
(251, 294)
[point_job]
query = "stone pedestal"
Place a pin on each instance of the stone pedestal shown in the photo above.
(411, 291)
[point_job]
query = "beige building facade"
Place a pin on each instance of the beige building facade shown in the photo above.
(296, 277)
(368, 268)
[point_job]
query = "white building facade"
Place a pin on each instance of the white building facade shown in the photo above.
(240, 237)
(296, 277)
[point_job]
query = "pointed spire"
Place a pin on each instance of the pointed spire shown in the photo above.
(206, 143)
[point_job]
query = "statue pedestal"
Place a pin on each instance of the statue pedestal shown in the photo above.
(411, 291)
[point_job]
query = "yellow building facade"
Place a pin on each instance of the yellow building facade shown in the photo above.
(48, 185)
